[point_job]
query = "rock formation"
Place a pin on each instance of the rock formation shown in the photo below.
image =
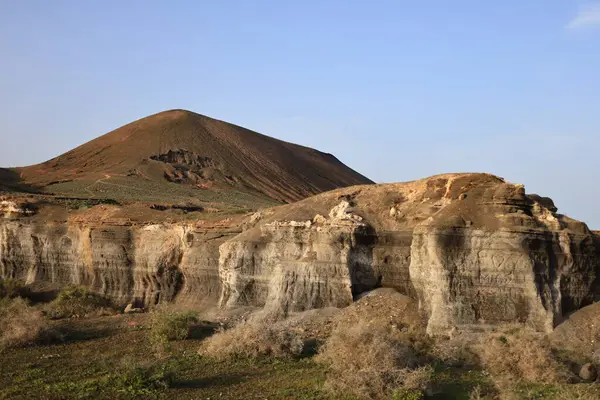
(144, 264)
(471, 248)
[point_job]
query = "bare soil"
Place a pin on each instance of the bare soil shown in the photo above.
(179, 155)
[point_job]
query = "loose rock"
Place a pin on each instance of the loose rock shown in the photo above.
(588, 373)
(130, 309)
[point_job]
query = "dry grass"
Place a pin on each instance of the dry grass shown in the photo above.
(378, 348)
(22, 325)
(579, 392)
(373, 362)
(456, 351)
(260, 335)
(519, 354)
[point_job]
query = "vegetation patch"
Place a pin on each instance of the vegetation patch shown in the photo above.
(167, 325)
(378, 349)
(260, 336)
(129, 379)
(74, 203)
(518, 353)
(375, 361)
(22, 325)
(78, 301)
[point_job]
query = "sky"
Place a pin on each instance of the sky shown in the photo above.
(398, 90)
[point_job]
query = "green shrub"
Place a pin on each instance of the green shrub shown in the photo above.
(409, 394)
(78, 301)
(132, 380)
(139, 380)
(167, 325)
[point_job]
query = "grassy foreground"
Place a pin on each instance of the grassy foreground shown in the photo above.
(96, 350)
(78, 346)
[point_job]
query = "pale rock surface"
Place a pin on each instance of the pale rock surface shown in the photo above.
(579, 333)
(144, 265)
(130, 309)
(9, 208)
(471, 248)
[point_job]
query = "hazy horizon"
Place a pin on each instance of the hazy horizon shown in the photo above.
(396, 90)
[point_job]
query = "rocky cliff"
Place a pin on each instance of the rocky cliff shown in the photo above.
(127, 261)
(472, 248)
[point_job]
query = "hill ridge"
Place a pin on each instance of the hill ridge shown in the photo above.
(181, 146)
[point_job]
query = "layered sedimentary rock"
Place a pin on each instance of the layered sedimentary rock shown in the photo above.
(143, 264)
(471, 248)
(299, 265)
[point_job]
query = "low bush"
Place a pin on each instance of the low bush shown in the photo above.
(456, 350)
(167, 325)
(128, 380)
(378, 349)
(517, 353)
(142, 379)
(76, 302)
(374, 362)
(259, 336)
(22, 325)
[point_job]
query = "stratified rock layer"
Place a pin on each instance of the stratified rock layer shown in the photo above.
(141, 264)
(471, 248)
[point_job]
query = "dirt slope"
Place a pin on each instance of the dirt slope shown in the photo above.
(193, 151)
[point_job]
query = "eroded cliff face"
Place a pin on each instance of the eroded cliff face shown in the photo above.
(471, 248)
(295, 266)
(141, 264)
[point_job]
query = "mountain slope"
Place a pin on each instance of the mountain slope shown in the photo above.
(194, 152)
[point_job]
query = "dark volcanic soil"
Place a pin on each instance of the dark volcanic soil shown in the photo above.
(181, 147)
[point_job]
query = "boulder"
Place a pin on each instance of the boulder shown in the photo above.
(588, 373)
(596, 356)
(130, 309)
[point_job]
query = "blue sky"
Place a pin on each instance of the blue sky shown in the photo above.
(398, 90)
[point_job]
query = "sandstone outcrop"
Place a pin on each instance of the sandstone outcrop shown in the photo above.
(471, 248)
(139, 264)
